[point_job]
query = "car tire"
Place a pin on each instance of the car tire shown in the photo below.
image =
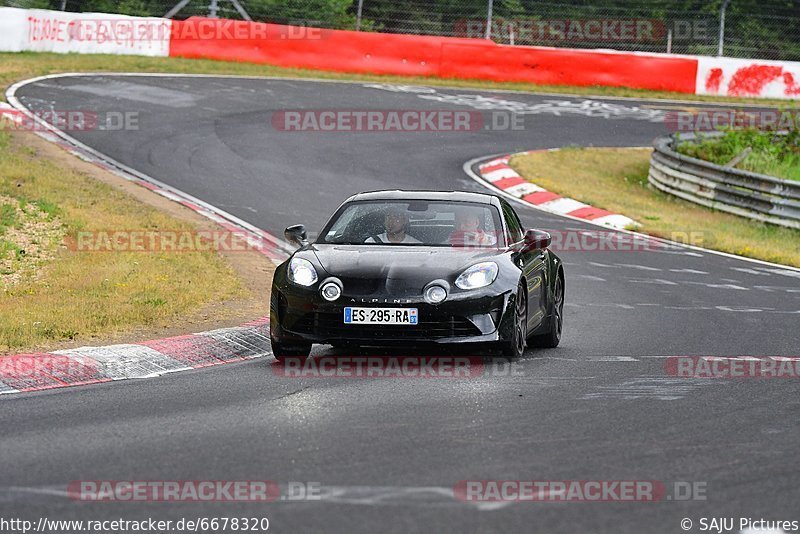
(515, 347)
(281, 351)
(551, 338)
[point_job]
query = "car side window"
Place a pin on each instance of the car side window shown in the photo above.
(512, 222)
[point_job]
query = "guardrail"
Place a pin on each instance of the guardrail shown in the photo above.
(748, 194)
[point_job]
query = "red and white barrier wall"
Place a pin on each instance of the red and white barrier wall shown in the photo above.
(748, 77)
(365, 52)
(39, 30)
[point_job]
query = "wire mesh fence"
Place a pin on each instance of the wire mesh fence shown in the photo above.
(768, 29)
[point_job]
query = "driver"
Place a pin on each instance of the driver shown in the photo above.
(395, 222)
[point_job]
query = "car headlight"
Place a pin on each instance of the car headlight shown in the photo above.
(479, 275)
(301, 272)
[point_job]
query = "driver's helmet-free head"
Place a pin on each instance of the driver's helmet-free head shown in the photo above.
(395, 218)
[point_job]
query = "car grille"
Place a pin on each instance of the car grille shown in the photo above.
(331, 325)
(363, 286)
(385, 287)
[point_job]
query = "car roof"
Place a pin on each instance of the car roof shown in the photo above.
(453, 196)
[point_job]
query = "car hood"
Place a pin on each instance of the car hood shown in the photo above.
(398, 262)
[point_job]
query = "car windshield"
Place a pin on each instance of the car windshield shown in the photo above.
(415, 222)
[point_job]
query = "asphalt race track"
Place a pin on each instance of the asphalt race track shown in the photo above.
(387, 453)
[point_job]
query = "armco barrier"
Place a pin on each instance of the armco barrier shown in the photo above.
(378, 53)
(757, 196)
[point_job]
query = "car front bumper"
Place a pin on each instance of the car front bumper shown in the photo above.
(301, 315)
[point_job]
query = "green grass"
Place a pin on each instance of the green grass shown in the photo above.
(774, 155)
(8, 217)
(47, 207)
(616, 179)
(8, 250)
(22, 65)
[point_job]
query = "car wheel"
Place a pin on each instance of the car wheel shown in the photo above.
(515, 347)
(551, 338)
(281, 351)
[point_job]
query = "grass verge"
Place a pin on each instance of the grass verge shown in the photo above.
(52, 294)
(616, 179)
(22, 65)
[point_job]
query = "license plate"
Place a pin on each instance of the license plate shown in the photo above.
(381, 316)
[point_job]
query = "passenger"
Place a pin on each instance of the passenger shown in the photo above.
(468, 232)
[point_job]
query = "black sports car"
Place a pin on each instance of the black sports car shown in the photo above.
(418, 267)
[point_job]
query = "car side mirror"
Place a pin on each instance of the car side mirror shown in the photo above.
(296, 234)
(537, 240)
